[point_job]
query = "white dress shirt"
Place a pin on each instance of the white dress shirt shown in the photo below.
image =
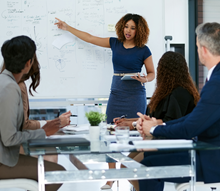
(210, 72)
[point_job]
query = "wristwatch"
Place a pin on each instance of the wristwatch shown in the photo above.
(134, 124)
(152, 129)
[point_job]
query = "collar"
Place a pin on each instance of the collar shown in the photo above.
(8, 73)
(210, 72)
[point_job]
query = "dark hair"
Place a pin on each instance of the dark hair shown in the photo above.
(34, 74)
(142, 29)
(208, 35)
(172, 72)
(16, 52)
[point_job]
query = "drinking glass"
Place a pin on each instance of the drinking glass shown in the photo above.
(103, 130)
(122, 134)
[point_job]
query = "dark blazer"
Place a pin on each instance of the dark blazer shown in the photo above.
(203, 122)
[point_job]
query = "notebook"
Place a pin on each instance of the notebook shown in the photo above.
(58, 142)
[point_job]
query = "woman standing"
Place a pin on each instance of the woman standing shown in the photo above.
(129, 54)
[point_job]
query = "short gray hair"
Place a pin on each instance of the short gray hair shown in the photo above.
(208, 35)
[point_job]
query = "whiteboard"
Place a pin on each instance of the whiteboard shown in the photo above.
(78, 69)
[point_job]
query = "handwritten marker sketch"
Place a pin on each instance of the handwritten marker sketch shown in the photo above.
(108, 56)
(64, 57)
(108, 1)
(65, 80)
(4, 14)
(9, 33)
(60, 64)
(63, 39)
(37, 40)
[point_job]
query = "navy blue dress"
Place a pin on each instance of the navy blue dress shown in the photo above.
(129, 96)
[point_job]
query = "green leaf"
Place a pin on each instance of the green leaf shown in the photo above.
(95, 117)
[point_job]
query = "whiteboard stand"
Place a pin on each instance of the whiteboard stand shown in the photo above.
(168, 39)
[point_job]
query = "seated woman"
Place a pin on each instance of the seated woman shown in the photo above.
(34, 74)
(175, 95)
(18, 54)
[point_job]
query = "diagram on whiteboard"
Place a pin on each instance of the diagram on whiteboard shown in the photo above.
(70, 66)
(60, 64)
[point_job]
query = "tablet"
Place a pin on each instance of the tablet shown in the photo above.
(128, 77)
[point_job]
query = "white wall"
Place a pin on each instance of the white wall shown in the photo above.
(176, 22)
(211, 13)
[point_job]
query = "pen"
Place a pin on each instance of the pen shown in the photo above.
(73, 115)
(58, 114)
(123, 116)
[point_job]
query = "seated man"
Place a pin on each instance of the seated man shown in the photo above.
(18, 54)
(203, 121)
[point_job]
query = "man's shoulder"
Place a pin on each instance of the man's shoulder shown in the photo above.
(215, 77)
(211, 90)
(216, 73)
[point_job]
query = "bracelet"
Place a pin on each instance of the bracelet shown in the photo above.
(147, 80)
(144, 82)
(134, 124)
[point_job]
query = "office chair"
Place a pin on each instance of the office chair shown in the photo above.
(201, 186)
(23, 183)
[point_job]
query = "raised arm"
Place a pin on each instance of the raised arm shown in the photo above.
(103, 42)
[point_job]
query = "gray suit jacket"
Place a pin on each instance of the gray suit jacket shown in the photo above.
(11, 121)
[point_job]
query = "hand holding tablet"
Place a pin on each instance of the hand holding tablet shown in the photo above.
(128, 77)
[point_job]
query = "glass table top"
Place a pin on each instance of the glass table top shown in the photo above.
(82, 145)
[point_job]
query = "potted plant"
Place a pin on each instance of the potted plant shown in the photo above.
(95, 117)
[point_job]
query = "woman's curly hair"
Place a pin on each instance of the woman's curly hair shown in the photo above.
(142, 29)
(172, 72)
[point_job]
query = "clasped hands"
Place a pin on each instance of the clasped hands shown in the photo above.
(144, 124)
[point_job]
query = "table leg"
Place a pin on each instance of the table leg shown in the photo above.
(41, 173)
(193, 169)
(77, 163)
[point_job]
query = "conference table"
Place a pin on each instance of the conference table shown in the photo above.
(81, 152)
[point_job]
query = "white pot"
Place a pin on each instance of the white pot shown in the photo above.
(94, 132)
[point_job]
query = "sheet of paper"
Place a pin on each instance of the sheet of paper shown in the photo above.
(83, 127)
(112, 138)
(63, 39)
(120, 147)
(68, 136)
(177, 143)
